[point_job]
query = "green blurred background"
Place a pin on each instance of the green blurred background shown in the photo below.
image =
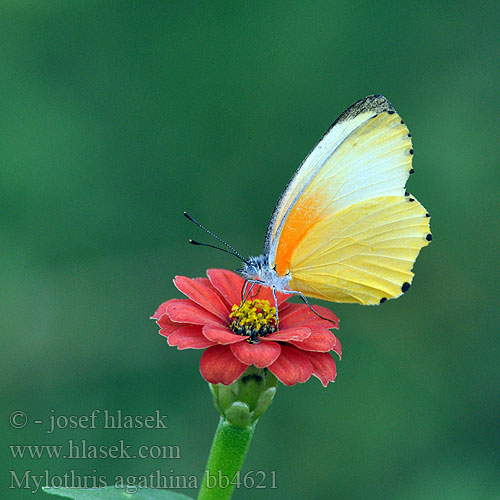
(117, 116)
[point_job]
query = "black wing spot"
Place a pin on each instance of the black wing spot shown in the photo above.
(391, 111)
(409, 135)
(427, 215)
(402, 122)
(383, 299)
(412, 171)
(411, 151)
(405, 287)
(411, 199)
(406, 193)
(429, 237)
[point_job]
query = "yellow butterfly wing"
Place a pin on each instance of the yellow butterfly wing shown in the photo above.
(316, 164)
(353, 176)
(363, 253)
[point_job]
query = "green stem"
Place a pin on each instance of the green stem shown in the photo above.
(226, 458)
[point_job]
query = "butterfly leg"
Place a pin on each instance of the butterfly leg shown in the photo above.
(244, 290)
(246, 294)
(304, 298)
(276, 307)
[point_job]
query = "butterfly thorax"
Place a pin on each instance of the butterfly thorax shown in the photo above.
(260, 270)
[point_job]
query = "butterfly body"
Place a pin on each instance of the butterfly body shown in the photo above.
(345, 229)
(258, 269)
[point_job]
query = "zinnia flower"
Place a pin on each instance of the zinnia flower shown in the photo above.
(236, 335)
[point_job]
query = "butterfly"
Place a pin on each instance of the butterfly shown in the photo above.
(344, 228)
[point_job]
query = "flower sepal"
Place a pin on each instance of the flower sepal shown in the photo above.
(247, 398)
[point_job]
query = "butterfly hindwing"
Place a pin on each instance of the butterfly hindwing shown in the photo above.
(363, 253)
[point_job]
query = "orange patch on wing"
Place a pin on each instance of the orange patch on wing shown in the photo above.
(303, 216)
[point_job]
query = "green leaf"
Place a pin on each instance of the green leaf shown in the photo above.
(112, 493)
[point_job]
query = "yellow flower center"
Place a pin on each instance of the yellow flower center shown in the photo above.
(254, 318)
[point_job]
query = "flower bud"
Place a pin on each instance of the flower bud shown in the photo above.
(247, 398)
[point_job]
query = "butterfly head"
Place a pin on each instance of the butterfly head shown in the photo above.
(260, 270)
(253, 268)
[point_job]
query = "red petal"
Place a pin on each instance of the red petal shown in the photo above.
(299, 314)
(219, 366)
(323, 366)
(292, 366)
(299, 333)
(338, 347)
(228, 284)
(261, 355)
(221, 335)
(160, 311)
(205, 281)
(167, 326)
(201, 291)
(320, 340)
(186, 311)
(168, 331)
(189, 337)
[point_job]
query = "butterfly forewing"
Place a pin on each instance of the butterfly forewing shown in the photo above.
(352, 118)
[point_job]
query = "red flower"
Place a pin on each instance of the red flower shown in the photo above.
(239, 336)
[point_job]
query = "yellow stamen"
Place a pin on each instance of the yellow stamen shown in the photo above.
(254, 318)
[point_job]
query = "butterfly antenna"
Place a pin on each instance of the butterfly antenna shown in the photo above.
(232, 252)
(193, 242)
